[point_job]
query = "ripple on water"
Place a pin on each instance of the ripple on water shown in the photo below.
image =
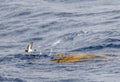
(98, 47)
(6, 79)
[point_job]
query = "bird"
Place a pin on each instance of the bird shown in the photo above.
(29, 47)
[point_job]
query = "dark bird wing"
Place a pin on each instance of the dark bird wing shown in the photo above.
(30, 46)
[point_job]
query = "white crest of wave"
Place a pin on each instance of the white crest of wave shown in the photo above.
(57, 42)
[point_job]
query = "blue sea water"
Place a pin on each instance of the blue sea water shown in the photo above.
(63, 26)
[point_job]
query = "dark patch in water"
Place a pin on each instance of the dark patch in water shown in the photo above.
(71, 80)
(117, 17)
(5, 79)
(9, 46)
(21, 31)
(41, 14)
(107, 22)
(111, 55)
(2, 28)
(20, 14)
(97, 47)
(70, 1)
(39, 38)
(60, 67)
(3, 59)
(69, 36)
(66, 14)
(15, 32)
(30, 56)
(49, 24)
(33, 39)
(112, 40)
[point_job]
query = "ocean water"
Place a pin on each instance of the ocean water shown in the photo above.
(63, 26)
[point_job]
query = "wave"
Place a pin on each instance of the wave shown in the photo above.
(70, 1)
(98, 47)
(112, 40)
(5, 59)
(30, 56)
(32, 39)
(12, 57)
(69, 36)
(6, 79)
